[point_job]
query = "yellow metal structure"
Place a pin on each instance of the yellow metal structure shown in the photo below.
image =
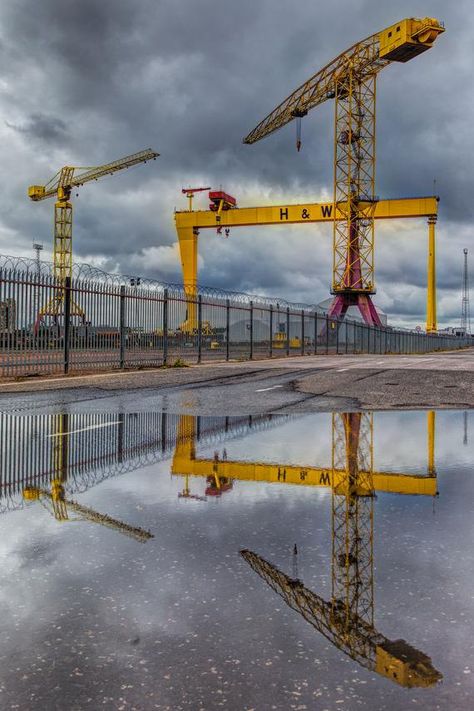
(60, 187)
(431, 319)
(55, 500)
(347, 619)
(60, 507)
(189, 223)
(350, 80)
(185, 463)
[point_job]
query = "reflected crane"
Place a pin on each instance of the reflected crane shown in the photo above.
(221, 472)
(186, 492)
(350, 79)
(60, 187)
(347, 619)
(55, 500)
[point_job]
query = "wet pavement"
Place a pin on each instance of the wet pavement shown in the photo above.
(297, 384)
(160, 560)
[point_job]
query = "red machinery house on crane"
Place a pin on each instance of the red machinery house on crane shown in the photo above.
(221, 201)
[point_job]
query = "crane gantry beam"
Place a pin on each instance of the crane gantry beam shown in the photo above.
(60, 187)
(350, 80)
(190, 222)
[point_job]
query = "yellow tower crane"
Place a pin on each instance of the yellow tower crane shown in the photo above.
(55, 500)
(347, 619)
(60, 187)
(350, 80)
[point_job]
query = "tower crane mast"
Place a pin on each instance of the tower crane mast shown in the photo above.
(350, 80)
(60, 187)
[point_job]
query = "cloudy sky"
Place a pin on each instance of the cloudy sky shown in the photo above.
(86, 82)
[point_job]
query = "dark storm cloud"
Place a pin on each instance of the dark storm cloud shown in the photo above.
(45, 128)
(97, 80)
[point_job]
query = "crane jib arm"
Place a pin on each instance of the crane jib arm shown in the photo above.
(70, 176)
(397, 43)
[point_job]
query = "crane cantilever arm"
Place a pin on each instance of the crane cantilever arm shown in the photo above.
(399, 42)
(70, 176)
(319, 88)
(109, 168)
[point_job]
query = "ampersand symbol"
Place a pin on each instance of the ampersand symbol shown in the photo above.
(305, 214)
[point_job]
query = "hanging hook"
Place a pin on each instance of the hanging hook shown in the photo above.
(298, 133)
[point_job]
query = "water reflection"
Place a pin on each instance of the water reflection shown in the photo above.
(74, 452)
(55, 459)
(347, 620)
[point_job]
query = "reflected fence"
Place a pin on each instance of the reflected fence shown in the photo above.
(81, 450)
(98, 321)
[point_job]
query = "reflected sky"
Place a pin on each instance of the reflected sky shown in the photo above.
(92, 617)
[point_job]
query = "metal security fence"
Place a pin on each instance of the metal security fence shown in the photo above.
(99, 321)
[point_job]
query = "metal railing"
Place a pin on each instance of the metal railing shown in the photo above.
(108, 321)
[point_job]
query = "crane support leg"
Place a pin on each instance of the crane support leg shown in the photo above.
(188, 248)
(431, 321)
(431, 417)
(364, 303)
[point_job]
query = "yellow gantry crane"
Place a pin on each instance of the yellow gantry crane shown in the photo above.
(55, 500)
(60, 187)
(190, 222)
(350, 80)
(347, 619)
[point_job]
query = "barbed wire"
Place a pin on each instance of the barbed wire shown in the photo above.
(83, 272)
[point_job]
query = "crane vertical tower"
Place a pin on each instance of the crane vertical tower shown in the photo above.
(350, 79)
(466, 308)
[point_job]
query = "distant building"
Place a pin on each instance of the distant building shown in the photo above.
(454, 331)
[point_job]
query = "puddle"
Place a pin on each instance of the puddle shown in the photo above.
(153, 560)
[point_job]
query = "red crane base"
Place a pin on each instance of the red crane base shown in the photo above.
(363, 302)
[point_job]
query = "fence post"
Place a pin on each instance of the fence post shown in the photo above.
(67, 320)
(271, 332)
(122, 326)
(302, 331)
(315, 332)
(165, 326)
(337, 335)
(199, 328)
(251, 331)
(227, 328)
(287, 331)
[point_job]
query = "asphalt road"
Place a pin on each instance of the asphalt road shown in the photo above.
(299, 384)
